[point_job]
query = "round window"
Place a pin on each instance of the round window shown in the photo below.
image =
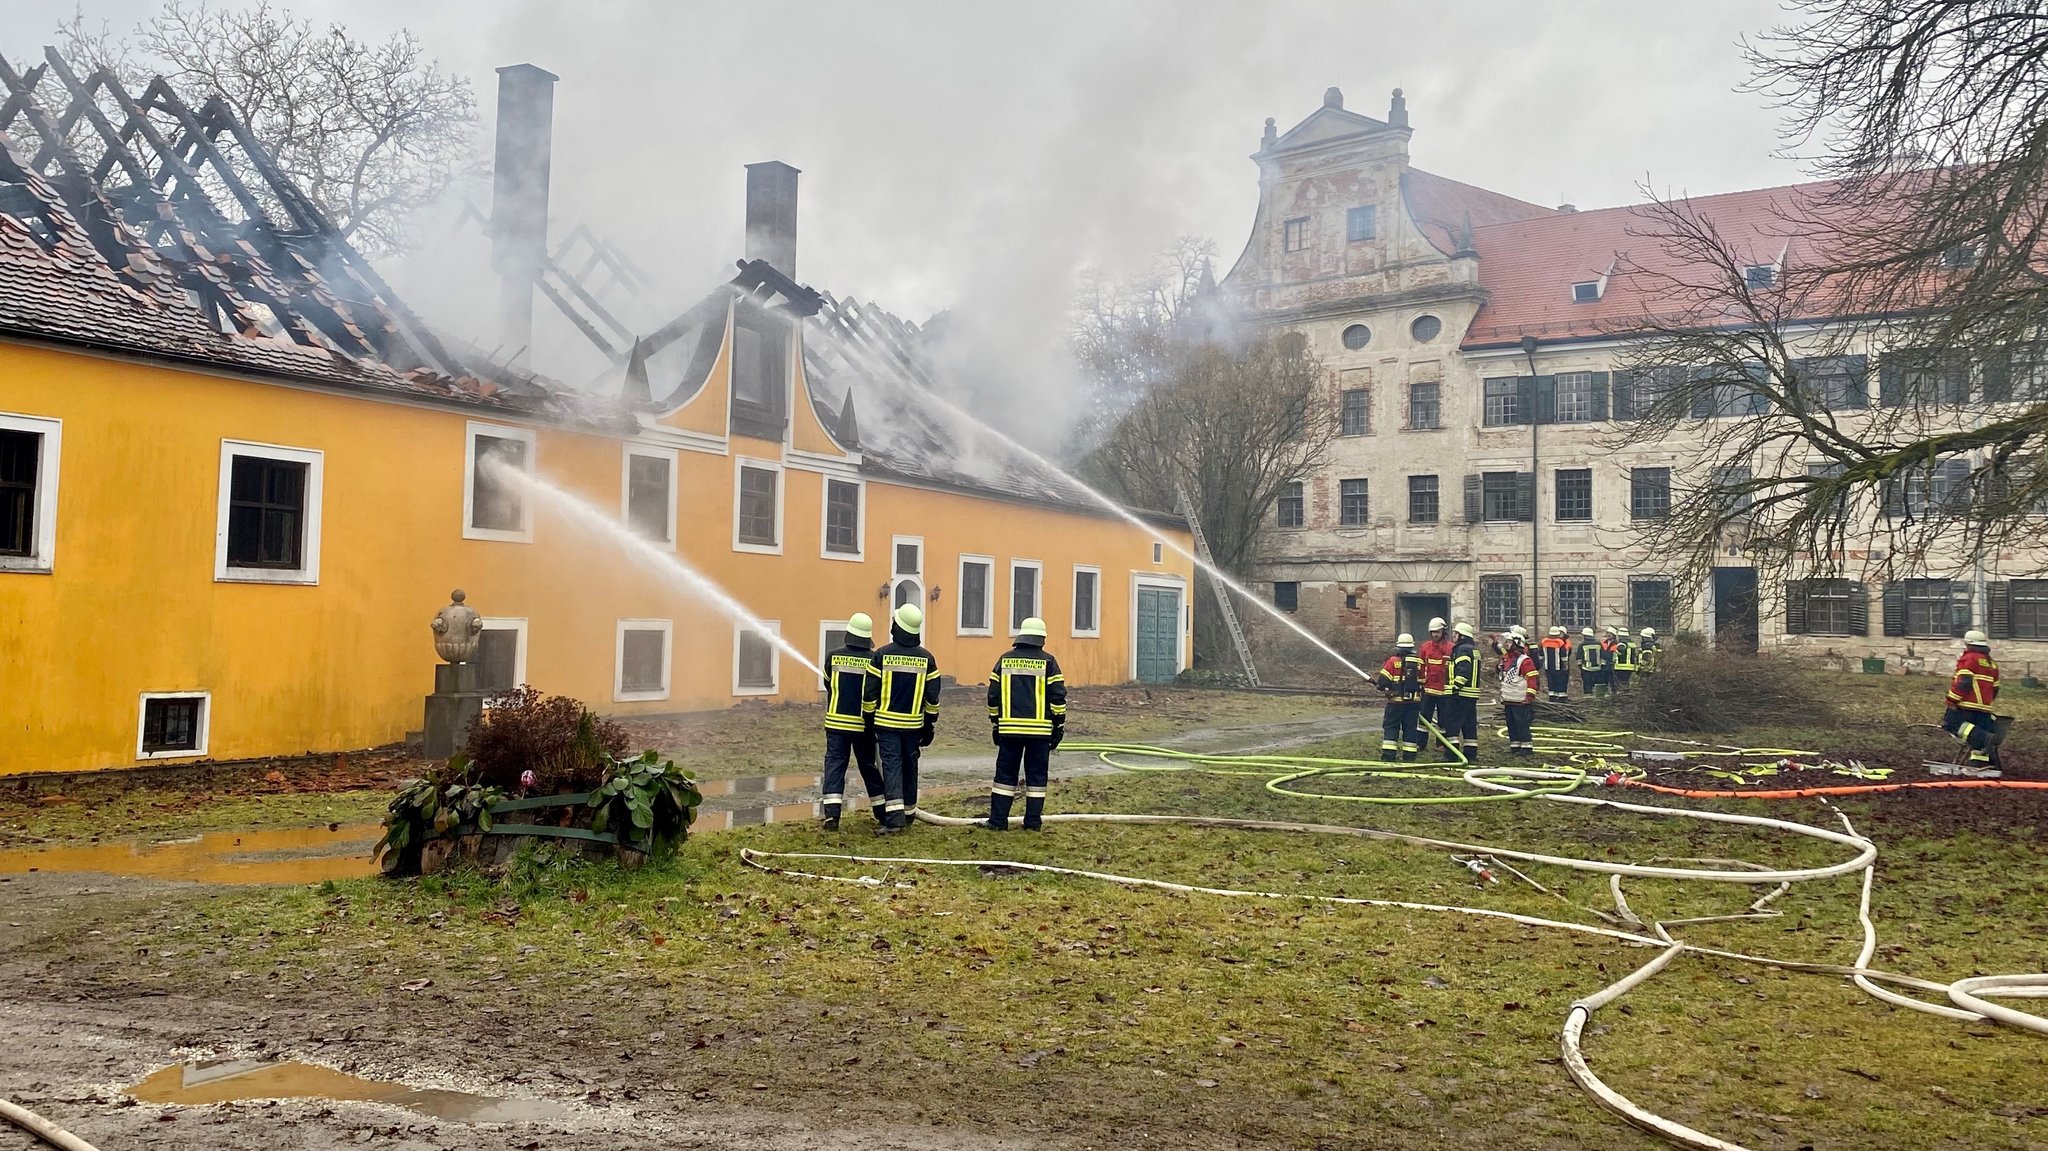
(1357, 336)
(1425, 328)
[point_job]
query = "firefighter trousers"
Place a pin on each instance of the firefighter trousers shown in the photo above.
(1974, 728)
(1589, 678)
(1401, 730)
(858, 746)
(1432, 710)
(1032, 754)
(1459, 720)
(1521, 722)
(899, 753)
(1619, 677)
(1556, 681)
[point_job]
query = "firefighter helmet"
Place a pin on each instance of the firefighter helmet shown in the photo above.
(1649, 633)
(1588, 633)
(859, 624)
(1436, 623)
(1404, 640)
(910, 618)
(1464, 629)
(1032, 627)
(1975, 638)
(1557, 631)
(1612, 630)
(1517, 632)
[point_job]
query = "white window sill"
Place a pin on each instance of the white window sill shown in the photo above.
(196, 754)
(758, 549)
(264, 575)
(26, 565)
(844, 557)
(756, 691)
(974, 632)
(496, 536)
(1095, 634)
(639, 696)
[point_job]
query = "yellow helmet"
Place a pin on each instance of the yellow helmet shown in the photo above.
(1031, 627)
(861, 625)
(1464, 629)
(910, 618)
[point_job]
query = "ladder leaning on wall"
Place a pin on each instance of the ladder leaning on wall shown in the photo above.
(1230, 620)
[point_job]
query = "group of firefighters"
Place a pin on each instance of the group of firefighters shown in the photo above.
(1439, 682)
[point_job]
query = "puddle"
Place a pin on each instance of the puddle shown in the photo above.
(290, 855)
(234, 1080)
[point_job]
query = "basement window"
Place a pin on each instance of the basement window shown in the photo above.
(268, 523)
(173, 725)
(28, 492)
(1586, 292)
(649, 493)
(753, 659)
(641, 670)
(494, 502)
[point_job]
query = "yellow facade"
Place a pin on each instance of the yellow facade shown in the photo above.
(132, 604)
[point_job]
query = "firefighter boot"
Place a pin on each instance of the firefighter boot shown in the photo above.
(1034, 813)
(999, 811)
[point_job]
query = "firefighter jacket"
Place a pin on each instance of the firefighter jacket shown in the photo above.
(1464, 669)
(1518, 677)
(1436, 666)
(902, 691)
(1646, 658)
(1592, 655)
(1557, 653)
(846, 685)
(1401, 678)
(1027, 695)
(1624, 651)
(1975, 684)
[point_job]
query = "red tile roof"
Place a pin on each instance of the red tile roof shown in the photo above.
(1442, 207)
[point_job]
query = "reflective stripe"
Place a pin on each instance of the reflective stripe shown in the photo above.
(832, 800)
(892, 805)
(1034, 793)
(1002, 789)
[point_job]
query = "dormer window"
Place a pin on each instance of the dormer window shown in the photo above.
(1294, 234)
(1758, 276)
(1960, 256)
(1361, 223)
(1585, 292)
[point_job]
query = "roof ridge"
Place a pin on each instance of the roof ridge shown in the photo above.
(1641, 204)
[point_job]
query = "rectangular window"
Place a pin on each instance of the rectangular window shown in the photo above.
(1502, 397)
(1585, 291)
(1649, 604)
(1759, 275)
(1730, 488)
(909, 555)
(1087, 602)
(1923, 491)
(842, 518)
(1835, 383)
(495, 503)
(2029, 607)
(174, 725)
(1361, 223)
(1354, 510)
(501, 655)
(268, 526)
(1294, 234)
(753, 660)
(1934, 608)
(1649, 493)
(1501, 497)
(1023, 591)
(1832, 607)
(760, 372)
(1356, 419)
(1574, 495)
(1572, 602)
(1574, 397)
(977, 606)
(650, 494)
(1422, 500)
(1287, 595)
(28, 492)
(642, 660)
(757, 509)
(1289, 512)
(1425, 407)
(1500, 602)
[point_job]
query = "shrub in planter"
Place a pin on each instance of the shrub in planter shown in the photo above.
(431, 809)
(566, 745)
(648, 802)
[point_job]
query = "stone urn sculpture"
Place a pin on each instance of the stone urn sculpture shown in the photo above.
(457, 629)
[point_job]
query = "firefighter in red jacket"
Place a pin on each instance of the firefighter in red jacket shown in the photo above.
(1518, 687)
(1436, 675)
(1400, 680)
(1556, 650)
(1971, 693)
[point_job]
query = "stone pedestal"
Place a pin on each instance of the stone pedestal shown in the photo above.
(455, 704)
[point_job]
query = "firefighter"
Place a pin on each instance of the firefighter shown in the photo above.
(1622, 648)
(1592, 664)
(1518, 687)
(1462, 704)
(847, 735)
(1027, 715)
(1556, 651)
(1400, 680)
(1971, 693)
(1646, 652)
(1436, 660)
(901, 699)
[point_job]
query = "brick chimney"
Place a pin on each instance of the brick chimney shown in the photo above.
(519, 197)
(771, 215)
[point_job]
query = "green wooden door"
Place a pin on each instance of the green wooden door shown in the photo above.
(1158, 634)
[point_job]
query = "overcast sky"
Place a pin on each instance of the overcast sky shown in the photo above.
(975, 154)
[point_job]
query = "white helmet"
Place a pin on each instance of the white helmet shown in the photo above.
(1649, 633)
(1404, 640)
(1517, 632)
(1975, 638)
(1465, 629)
(1436, 623)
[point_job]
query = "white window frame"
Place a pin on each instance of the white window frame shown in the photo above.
(42, 557)
(825, 629)
(674, 460)
(204, 734)
(988, 595)
(860, 519)
(516, 624)
(667, 628)
(1159, 549)
(772, 627)
(308, 571)
(1141, 580)
(475, 428)
(781, 497)
(916, 578)
(1085, 633)
(1038, 593)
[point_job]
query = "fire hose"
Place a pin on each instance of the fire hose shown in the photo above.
(42, 1128)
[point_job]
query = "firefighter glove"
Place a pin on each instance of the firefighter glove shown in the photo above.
(931, 729)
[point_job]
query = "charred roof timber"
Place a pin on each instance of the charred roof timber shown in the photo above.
(519, 197)
(771, 215)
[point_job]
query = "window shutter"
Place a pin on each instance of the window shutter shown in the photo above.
(1895, 608)
(1998, 606)
(1795, 607)
(1475, 505)
(1600, 395)
(1859, 608)
(1525, 496)
(1961, 608)
(1546, 399)
(1525, 399)
(1624, 397)
(1891, 381)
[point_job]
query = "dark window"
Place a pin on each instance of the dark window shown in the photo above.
(1500, 602)
(2029, 600)
(20, 453)
(1424, 410)
(1356, 418)
(643, 660)
(757, 507)
(1574, 397)
(1425, 329)
(1649, 604)
(1501, 493)
(497, 504)
(1759, 275)
(1361, 223)
(1830, 606)
(647, 509)
(1572, 601)
(1294, 234)
(171, 724)
(1357, 336)
(1935, 608)
(842, 517)
(756, 659)
(1918, 376)
(1023, 595)
(266, 513)
(1923, 491)
(909, 558)
(497, 659)
(760, 364)
(1502, 397)
(1085, 583)
(1730, 489)
(1290, 511)
(1422, 500)
(1574, 494)
(1158, 553)
(1353, 508)
(1585, 292)
(974, 596)
(1834, 382)
(1287, 595)
(1649, 493)
(1959, 256)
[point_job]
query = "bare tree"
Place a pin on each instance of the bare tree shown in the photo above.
(1127, 332)
(371, 131)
